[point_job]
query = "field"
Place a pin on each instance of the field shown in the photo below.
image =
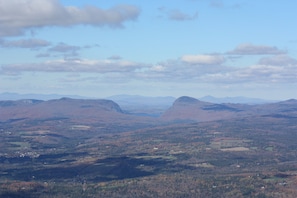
(248, 157)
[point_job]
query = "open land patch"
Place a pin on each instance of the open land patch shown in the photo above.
(236, 149)
(210, 159)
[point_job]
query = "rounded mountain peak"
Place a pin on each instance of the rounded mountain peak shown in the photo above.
(186, 99)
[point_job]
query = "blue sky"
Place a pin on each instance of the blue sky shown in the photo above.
(152, 48)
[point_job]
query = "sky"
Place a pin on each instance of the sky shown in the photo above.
(95, 48)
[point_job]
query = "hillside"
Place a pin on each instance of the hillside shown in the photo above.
(190, 109)
(143, 105)
(75, 110)
(85, 148)
(184, 108)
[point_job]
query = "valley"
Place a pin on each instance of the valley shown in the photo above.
(93, 148)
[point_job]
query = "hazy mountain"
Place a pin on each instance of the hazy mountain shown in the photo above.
(138, 109)
(188, 108)
(238, 99)
(79, 110)
(283, 108)
(146, 101)
(136, 100)
(17, 96)
(143, 105)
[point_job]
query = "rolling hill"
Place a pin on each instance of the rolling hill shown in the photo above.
(75, 110)
(107, 111)
(190, 109)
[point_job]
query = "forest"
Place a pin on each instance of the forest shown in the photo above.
(246, 157)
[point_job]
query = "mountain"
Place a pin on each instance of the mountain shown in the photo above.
(238, 99)
(78, 110)
(190, 109)
(145, 101)
(130, 101)
(158, 109)
(143, 105)
(16, 96)
(287, 108)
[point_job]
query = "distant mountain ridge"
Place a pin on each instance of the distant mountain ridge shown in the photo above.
(237, 99)
(17, 96)
(143, 105)
(129, 100)
(132, 100)
(188, 108)
(185, 100)
(184, 108)
(84, 110)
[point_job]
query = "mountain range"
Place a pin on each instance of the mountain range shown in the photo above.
(188, 108)
(133, 100)
(64, 109)
(184, 108)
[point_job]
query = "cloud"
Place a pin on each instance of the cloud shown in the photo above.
(203, 59)
(220, 4)
(74, 65)
(16, 16)
(250, 49)
(178, 70)
(177, 15)
(25, 43)
(212, 69)
(217, 4)
(274, 69)
(115, 57)
(63, 48)
(260, 74)
(267, 74)
(91, 46)
(43, 55)
(281, 60)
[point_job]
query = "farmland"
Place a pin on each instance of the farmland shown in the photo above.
(251, 157)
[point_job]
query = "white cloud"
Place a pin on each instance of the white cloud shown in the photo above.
(210, 69)
(25, 43)
(250, 49)
(18, 15)
(177, 15)
(220, 4)
(217, 4)
(267, 74)
(62, 48)
(281, 60)
(259, 74)
(203, 59)
(115, 57)
(158, 68)
(74, 65)
(43, 55)
(188, 69)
